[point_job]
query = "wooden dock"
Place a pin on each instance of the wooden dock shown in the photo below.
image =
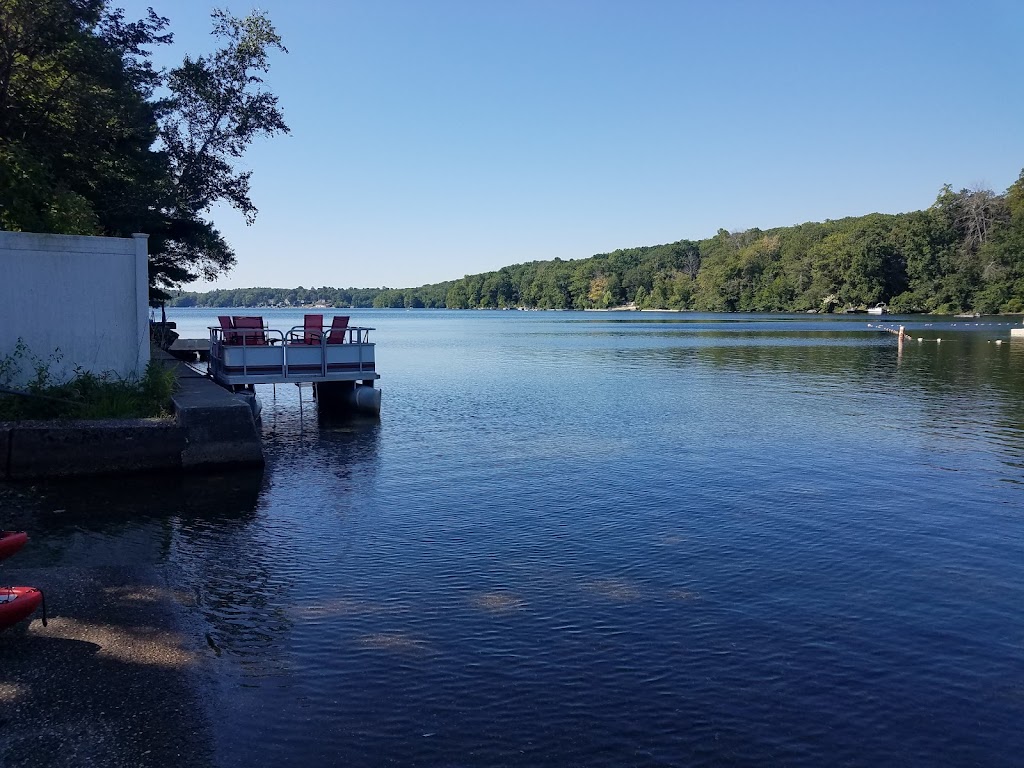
(190, 349)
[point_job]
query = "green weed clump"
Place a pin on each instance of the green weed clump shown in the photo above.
(86, 395)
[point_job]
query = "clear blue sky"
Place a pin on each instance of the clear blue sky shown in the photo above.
(436, 139)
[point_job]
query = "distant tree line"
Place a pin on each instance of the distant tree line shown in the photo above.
(275, 297)
(964, 253)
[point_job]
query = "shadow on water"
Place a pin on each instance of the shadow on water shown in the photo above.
(97, 502)
(246, 579)
(131, 518)
(227, 540)
(964, 371)
(965, 390)
(350, 443)
(153, 579)
(645, 540)
(312, 444)
(119, 638)
(964, 361)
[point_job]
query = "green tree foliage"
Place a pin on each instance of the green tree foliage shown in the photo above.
(242, 297)
(966, 252)
(93, 140)
(215, 110)
(76, 121)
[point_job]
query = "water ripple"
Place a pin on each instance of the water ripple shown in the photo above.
(586, 540)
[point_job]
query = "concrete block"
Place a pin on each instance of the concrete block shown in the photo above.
(219, 427)
(54, 449)
(225, 434)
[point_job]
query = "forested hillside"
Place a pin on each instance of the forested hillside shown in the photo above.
(965, 252)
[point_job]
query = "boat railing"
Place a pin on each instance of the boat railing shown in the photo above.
(327, 335)
(298, 354)
(260, 337)
(297, 335)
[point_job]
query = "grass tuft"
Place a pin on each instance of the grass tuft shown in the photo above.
(86, 395)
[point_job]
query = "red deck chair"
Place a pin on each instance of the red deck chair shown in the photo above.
(227, 332)
(339, 329)
(252, 337)
(313, 327)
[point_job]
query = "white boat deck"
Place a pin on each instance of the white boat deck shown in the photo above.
(268, 356)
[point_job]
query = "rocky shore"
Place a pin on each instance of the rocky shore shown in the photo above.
(108, 682)
(117, 677)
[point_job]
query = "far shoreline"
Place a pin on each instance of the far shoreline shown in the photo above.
(626, 308)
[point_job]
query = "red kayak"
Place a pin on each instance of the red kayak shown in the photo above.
(11, 542)
(18, 603)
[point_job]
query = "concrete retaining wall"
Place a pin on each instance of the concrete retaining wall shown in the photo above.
(211, 428)
(48, 449)
(198, 439)
(86, 296)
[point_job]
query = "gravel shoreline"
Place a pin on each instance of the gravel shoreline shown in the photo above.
(109, 682)
(121, 675)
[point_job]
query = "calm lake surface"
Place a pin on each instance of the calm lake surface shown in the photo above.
(609, 539)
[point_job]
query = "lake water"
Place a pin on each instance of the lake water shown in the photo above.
(609, 539)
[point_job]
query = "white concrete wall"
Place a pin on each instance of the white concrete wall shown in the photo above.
(86, 296)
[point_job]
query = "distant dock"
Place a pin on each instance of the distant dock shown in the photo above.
(190, 349)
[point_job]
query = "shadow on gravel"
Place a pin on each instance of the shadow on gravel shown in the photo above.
(111, 681)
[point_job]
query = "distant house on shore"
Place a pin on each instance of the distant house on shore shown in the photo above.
(75, 301)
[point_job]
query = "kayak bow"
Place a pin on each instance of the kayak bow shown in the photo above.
(11, 542)
(18, 603)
